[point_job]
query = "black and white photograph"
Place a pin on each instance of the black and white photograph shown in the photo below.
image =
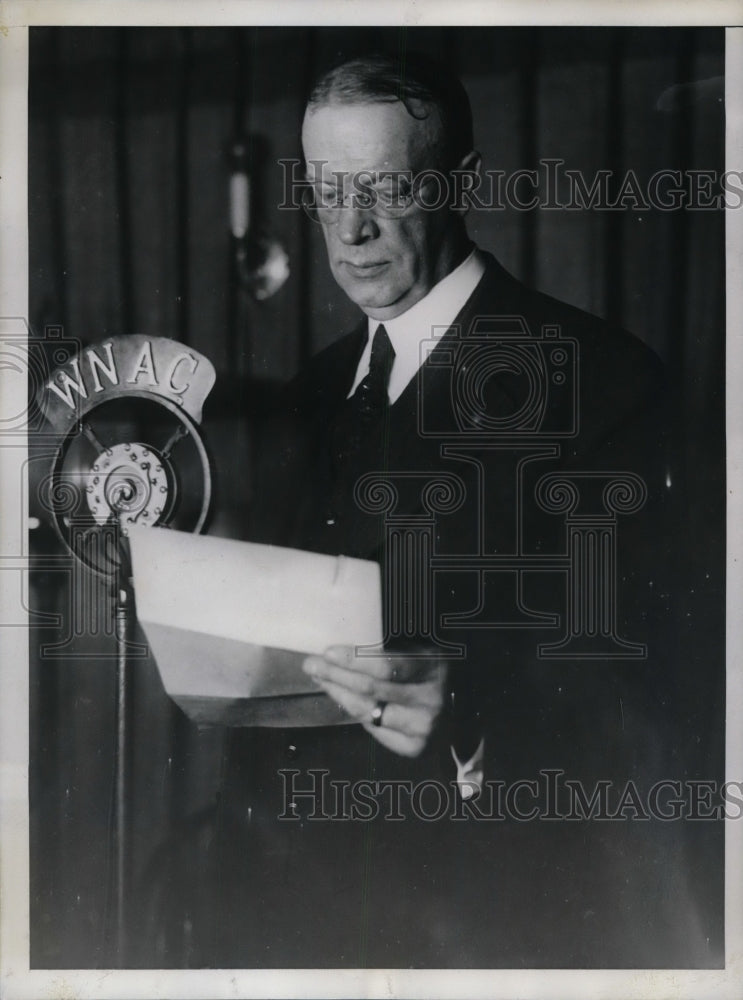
(371, 572)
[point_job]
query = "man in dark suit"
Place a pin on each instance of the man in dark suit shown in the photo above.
(458, 436)
(385, 179)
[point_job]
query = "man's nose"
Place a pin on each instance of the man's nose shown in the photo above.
(355, 225)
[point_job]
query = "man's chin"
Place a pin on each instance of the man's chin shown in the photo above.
(372, 297)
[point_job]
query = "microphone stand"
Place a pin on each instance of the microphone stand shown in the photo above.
(122, 595)
(122, 614)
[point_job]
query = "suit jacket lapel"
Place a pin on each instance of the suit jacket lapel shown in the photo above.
(411, 452)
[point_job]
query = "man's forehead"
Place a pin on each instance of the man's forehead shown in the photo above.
(372, 136)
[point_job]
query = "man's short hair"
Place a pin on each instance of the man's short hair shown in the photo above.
(410, 78)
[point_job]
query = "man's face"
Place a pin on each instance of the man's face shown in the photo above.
(384, 265)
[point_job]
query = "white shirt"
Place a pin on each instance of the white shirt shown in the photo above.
(425, 321)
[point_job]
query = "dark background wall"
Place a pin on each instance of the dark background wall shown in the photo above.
(130, 133)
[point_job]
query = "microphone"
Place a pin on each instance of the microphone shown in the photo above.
(125, 415)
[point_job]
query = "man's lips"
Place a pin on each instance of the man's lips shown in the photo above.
(364, 270)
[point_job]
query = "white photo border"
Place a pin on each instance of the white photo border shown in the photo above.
(17, 980)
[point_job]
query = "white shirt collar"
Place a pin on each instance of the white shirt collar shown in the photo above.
(429, 318)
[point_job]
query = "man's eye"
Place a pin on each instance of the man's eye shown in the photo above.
(392, 193)
(366, 198)
(328, 197)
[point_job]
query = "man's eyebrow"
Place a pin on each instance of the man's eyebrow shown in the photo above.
(316, 181)
(375, 176)
(322, 175)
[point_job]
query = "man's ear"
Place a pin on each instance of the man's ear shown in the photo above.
(465, 178)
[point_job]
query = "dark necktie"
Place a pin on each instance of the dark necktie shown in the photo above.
(369, 403)
(359, 428)
(371, 393)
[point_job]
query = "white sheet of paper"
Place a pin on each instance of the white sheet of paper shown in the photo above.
(229, 623)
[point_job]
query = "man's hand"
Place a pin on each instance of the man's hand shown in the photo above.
(409, 689)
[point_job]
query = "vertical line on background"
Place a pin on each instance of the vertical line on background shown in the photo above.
(613, 255)
(242, 103)
(54, 89)
(402, 51)
(122, 182)
(687, 442)
(182, 228)
(530, 69)
(304, 284)
(449, 48)
(46, 718)
(682, 146)
(177, 790)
